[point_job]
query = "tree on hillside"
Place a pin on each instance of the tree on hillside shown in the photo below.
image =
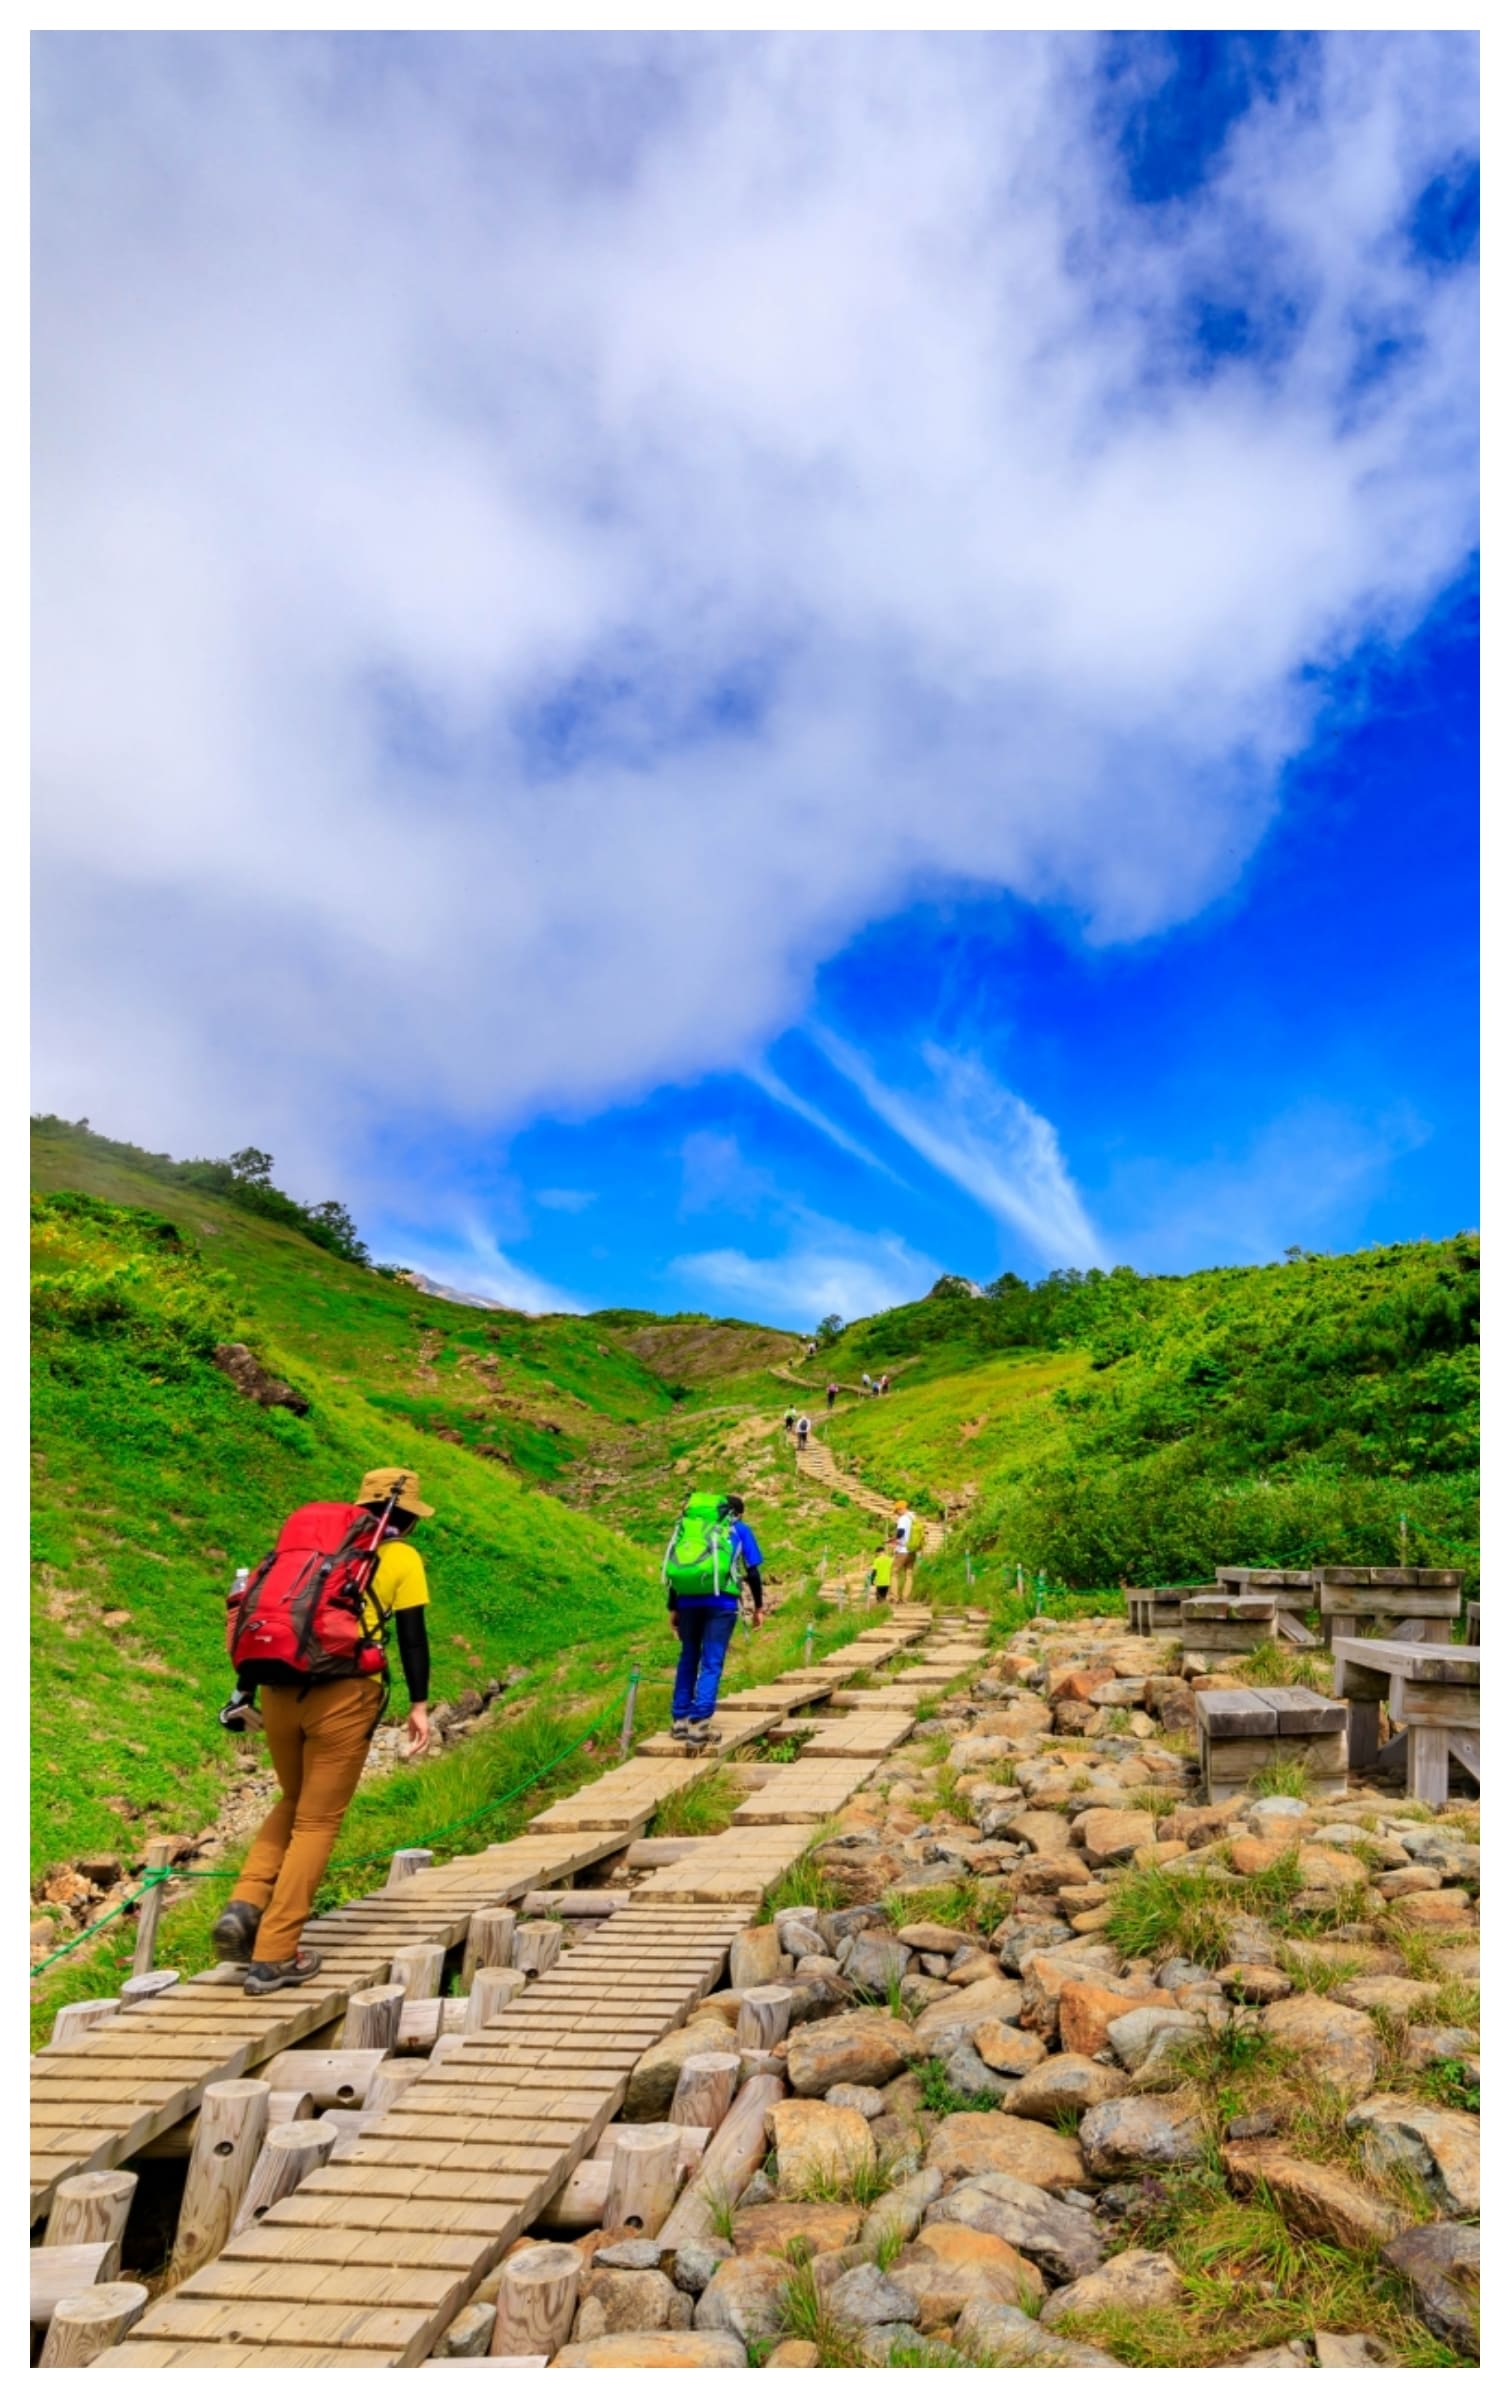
(829, 1331)
(253, 1166)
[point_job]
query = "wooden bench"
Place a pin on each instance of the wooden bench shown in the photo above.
(1292, 1588)
(1159, 1610)
(1242, 1732)
(1223, 1625)
(1411, 1602)
(1431, 1689)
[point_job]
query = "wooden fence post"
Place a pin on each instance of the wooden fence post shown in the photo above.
(159, 1858)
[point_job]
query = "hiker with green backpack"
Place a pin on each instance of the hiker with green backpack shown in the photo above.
(711, 1550)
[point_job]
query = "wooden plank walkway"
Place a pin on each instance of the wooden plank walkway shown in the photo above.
(803, 1793)
(737, 1865)
(368, 2260)
(865, 1732)
(624, 1799)
(144, 2070)
(729, 1732)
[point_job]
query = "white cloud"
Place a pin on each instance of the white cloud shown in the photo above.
(827, 1270)
(570, 1203)
(989, 1142)
(435, 439)
(470, 1260)
(767, 1080)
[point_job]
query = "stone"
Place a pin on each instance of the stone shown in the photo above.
(800, 1939)
(755, 1956)
(630, 2256)
(1130, 2135)
(991, 2333)
(943, 2288)
(1249, 1854)
(899, 2143)
(1087, 2012)
(865, 2296)
(1426, 2042)
(817, 2143)
(794, 2354)
(1337, 2041)
(1060, 2239)
(824, 2228)
(1247, 1940)
(1270, 1816)
(470, 2333)
(695, 2349)
(1437, 2148)
(958, 2248)
(971, 1966)
(969, 2076)
(866, 2102)
(939, 1939)
(1254, 1985)
(1046, 1833)
(875, 1963)
(1005, 2049)
(1395, 1993)
(1441, 2262)
(1329, 1869)
(652, 2084)
(1434, 1910)
(640, 2301)
(1403, 1881)
(863, 2046)
(1110, 1834)
(1151, 2035)
(1137, 2278)
(1269, 2360)
(1351, 2348)
(1019, 1941)
(696, 2261)
(885, 2342)
(1319, 2200)
(1063, 2085)
(956, 2016)
(965, 2145)
(744, 2297)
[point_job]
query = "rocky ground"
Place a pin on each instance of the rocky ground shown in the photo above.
(1083, 2072)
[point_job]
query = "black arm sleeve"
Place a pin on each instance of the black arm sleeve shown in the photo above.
(414, 1652)
(757, 1588)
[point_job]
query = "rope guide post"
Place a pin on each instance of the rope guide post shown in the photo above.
(154, 1883)
(626, 1735)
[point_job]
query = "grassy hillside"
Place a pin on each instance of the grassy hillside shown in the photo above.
(1274, 1415)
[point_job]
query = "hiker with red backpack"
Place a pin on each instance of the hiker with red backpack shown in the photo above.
(708, 1555)
(306, 1635)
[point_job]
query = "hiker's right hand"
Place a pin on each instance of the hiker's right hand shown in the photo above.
(418, 1728)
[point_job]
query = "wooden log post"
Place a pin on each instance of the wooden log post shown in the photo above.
(83, 2327)
(424, 2021)
(694, 2139)
(764, 2014)
(645, 2172)
(405, 1861)
(231, 2129)
(732, 2155)
(372, 2017)
(393, 2077)
(63, 2272)
(537, 2298)
(578, 2204)
(705, 2089)
(537, 1946)
(148, 1985)
(74, 2023)
(287, 2155)
(159, 1858)
(490, 1941)
(494, 1987)
(92, 2206)
(334, 2077)
(419, 1967)
(290, 2106)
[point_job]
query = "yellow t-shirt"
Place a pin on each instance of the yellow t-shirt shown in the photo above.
(398, 1580)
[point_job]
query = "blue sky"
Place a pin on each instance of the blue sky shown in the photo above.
(731, 674)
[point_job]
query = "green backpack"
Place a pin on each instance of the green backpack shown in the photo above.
(701, 1559)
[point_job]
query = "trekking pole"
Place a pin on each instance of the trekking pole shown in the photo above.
(627, 1733)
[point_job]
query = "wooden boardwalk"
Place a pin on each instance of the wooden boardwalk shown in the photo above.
(866, 1732)
(803, 1793)
(96, 2103)
(369, 2259)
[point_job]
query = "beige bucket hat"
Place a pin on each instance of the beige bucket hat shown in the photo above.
(393, 1482)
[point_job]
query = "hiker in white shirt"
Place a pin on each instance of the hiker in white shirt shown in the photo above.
(803, 1429)
(901, 1541)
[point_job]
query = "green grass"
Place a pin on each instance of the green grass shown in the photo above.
(940, 2096)
(701, 1808)
(1446, 2081)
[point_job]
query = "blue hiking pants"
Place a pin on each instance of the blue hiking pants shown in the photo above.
(704, 1632)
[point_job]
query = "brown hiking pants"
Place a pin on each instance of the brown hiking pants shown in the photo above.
(318, 1741)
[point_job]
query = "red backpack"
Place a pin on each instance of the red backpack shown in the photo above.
(300, 1617)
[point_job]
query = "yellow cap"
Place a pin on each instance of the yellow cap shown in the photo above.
(393, 1482)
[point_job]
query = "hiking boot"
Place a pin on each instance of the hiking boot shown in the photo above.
(265, 1977)
(700, 1736)
(681, 1729)
(235, 1932)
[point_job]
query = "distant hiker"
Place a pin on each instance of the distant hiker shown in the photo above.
(812, 1348)
(884, 1385)
(833, 1393)
(790, 1421)
(321, 1676)
(803, 1429)
(710, 1551)
(901, 1541)
(879, 1578)
(865, 1384)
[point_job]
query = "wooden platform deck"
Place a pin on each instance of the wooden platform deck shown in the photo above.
(143, 2070)
(625, 1798)
(730, 1731)
(737, 1865)
(804, 1793)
